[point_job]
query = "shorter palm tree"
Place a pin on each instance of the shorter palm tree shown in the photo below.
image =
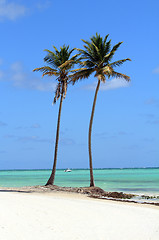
(97, 56)
(60, 64)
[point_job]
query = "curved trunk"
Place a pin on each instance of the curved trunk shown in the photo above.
(52, 177)
(89, 136)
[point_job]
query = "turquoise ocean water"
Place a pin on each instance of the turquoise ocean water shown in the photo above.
(139, 181)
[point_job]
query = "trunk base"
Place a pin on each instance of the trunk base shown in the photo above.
(47, 184)
(92, 185)
(50, 181)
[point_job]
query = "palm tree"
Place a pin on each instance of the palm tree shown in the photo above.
(96, 58)
(59, 65)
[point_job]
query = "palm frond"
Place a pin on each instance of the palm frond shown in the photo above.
(119, 62)
(70, 63)
(87, 63)
(97, 51)
(73, 49)
(74, 57)
(96, 56)
(79, 69)
(50, 73)
(91, 50)
(48, 51)
(120, 75)
(52, 59)
(86, 42)
(55, 49)
(107, 47)
(45, 69)
(87, 55)
(61, 63)
(105, 39)
(116, 46)
(114, 49)
(81, 74)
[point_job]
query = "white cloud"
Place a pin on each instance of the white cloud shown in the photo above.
(10, 10)
(23, 79)
(156, 70)
(16, 66)
(109, 85)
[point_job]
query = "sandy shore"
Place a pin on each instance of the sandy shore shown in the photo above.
(60, 216)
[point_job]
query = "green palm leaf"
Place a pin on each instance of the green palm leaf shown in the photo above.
(119, 62)
(120, 75)
(60, 64)
(81, 74)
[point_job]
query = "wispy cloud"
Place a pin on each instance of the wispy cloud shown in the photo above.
(9, 136)
(2, 124)
(43, 5)
(156, 70)
(33, 139)
(122, 133)
(25, 139)
(152, 101)
(67, 141)
(102, 135)
(107, 135)
(153, 122)
(149, 140)
(148, 115)
(132, 147)
(36, 125)
(109, 85)
(21, 78)
(11, 10)
(36, 139)
(33, 126)
(150, 118)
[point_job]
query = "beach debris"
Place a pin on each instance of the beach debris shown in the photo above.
(93, 192)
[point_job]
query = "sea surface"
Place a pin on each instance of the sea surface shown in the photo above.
(136, 180)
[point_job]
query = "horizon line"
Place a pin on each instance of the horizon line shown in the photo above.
(46, 169)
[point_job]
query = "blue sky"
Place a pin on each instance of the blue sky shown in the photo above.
(126, 123)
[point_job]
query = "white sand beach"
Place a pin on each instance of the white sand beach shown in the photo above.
(61, 216)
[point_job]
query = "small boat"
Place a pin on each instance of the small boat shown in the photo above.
(67, 170)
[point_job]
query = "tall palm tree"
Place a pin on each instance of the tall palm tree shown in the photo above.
(97, 56)
(60, 64)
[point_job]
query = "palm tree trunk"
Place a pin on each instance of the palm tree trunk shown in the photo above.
(89, 136)
(52, 177)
